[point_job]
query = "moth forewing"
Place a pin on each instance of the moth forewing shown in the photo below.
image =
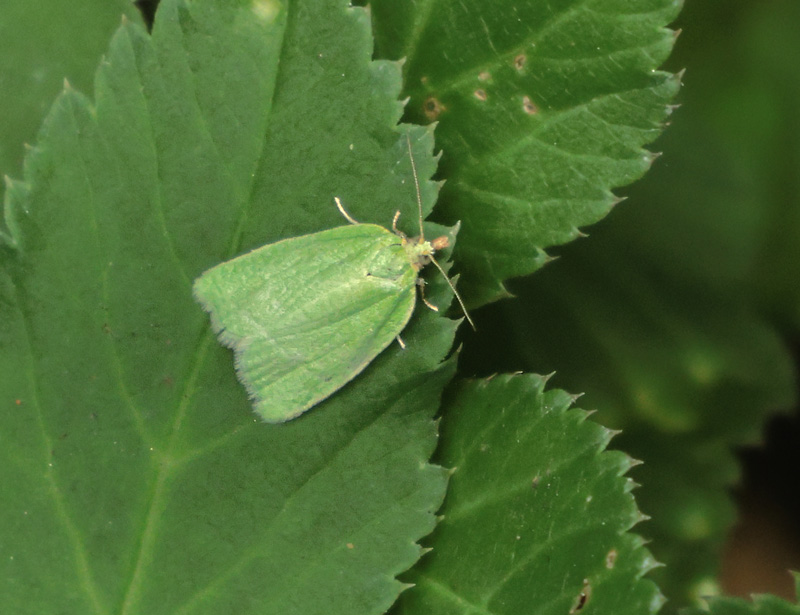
(297, 341)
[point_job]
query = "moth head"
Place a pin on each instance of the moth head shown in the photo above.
(420, 252)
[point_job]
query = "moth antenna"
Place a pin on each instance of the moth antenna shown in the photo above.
(416, 185)
(455, 292)
(347, 216)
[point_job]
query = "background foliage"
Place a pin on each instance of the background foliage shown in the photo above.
(663, 315)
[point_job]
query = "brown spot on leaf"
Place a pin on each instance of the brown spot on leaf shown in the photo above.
(480, 94)
(528, 106)
(432, 108)
(582, 598)
(519, 61)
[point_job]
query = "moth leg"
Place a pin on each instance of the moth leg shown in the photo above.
(421, 286)
(394, 222)
(401, 342)
(343, 211)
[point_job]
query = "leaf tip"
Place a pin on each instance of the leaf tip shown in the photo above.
(650, 563)
(574, 397)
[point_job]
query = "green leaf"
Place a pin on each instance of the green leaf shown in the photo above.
(136, 478)
(654, 315)
(761, 604)
(687, 373)
(537, 513)
(543, 107)
(39, 48)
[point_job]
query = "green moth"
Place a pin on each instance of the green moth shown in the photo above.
(299, 332)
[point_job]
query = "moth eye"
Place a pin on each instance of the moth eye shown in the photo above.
(440, 243)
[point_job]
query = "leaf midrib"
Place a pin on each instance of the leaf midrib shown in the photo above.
(165, 469)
